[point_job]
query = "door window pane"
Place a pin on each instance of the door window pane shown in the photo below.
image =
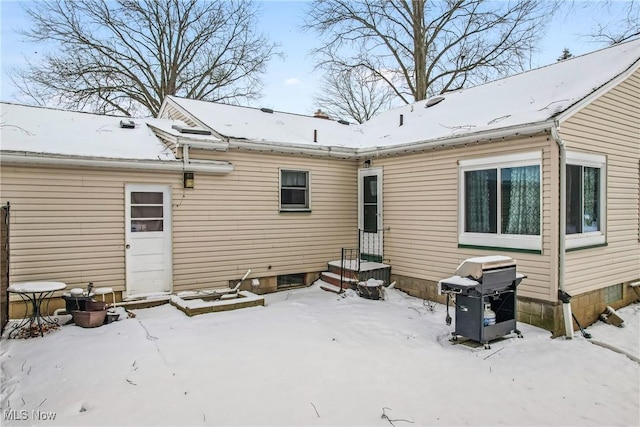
(146, 211)
(146, 198)
(370, 203)
(138, 225)
(370, 218)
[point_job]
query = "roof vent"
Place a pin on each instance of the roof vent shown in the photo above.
(433, 101)
(343, 122)
(267, 110)
(192, 130)
(127, 124)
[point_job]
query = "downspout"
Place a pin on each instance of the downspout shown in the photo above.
(185, 155)
(562, 232)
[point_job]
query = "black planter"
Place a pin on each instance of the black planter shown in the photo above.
(369, 292)
(75, 303)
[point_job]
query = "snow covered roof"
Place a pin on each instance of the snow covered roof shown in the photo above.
(49, 131)
(266, 125)
(536, 96)
(506, 106)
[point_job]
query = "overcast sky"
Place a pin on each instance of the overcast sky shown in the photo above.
(290, 84)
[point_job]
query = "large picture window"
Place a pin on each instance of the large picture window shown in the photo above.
(501, 201)
(294, 190)
(585, 184)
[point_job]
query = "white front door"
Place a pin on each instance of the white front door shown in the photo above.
(370, 213)
(148, 239)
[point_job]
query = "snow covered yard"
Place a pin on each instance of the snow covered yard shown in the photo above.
(311, 357)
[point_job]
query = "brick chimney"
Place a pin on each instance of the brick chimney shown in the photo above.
(321, 114)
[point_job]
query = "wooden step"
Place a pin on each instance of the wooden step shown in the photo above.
(334, 279)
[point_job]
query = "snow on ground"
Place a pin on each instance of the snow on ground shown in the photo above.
(311, 357)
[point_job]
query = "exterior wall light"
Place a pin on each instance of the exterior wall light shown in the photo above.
(189, 179)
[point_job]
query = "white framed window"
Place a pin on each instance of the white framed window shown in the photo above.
(500, 201)
(585, 196)
(295, 190)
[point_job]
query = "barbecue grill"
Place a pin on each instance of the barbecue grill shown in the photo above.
(485, 298)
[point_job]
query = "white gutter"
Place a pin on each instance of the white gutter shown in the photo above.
(201, 145)
(24, 158)
(358, 153)
(510, 132)
(562, 229)
(288, 148)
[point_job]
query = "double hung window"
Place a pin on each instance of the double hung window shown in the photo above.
(501, 201)
(294, 190)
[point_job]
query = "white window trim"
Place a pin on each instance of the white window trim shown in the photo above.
(592, 238)
(287, 209)
(513, 241)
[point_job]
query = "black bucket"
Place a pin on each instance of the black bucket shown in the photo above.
(75, 302)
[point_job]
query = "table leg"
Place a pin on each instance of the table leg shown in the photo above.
(27, 319)
(36, 317)
(44, 296)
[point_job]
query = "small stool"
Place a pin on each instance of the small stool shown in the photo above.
(103, 292)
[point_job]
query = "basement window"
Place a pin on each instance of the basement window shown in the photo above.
(290, 280)
(613, 293)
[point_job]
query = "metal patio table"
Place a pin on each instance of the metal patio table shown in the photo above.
(35, 293)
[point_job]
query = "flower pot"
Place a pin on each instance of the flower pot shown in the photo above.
(91, 305)
(89, 319)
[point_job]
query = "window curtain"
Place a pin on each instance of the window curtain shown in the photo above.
(294, 179)
(478, 201)
(524, 201)
(591, 197)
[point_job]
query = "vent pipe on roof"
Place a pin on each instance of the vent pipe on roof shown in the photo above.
(343, 122)
(267, 110)
(401, 119)
(127, 124)
(315, 135)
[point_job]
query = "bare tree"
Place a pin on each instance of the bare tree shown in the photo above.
(421, 48)
(625, 26)
(126, 56)
(354, 93)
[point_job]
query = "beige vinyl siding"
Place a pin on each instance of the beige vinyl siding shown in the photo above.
(421, 210)
(68, 224)
(610, 126)
(231, 223)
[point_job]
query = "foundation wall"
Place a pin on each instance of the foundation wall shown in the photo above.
(547, 315)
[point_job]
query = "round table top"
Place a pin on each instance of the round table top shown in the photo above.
(30, 287)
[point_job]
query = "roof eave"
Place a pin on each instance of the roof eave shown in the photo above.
(510, 132)
(265, 146)
(26, 158)
(598, 92)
